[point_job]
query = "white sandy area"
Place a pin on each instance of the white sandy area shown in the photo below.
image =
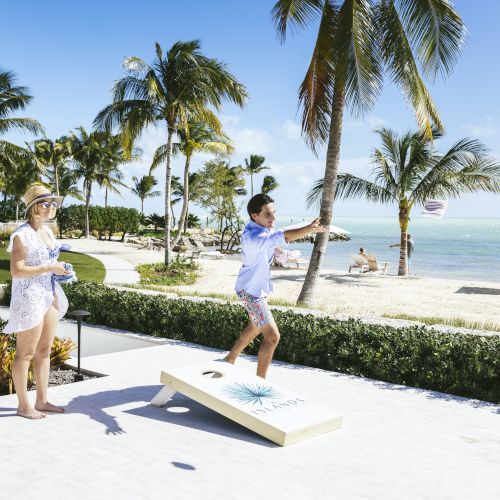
(362, 295)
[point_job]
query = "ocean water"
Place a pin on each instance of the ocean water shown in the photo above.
(449, 248)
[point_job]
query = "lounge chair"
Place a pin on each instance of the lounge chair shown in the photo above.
(374, 266)
(205, 253)
(186, 250)
(359, 263)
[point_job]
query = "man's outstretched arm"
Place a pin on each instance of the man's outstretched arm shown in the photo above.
(297, 234)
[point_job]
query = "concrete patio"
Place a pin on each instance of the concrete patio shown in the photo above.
(395, 442)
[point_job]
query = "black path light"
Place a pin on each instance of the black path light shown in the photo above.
(79, 315)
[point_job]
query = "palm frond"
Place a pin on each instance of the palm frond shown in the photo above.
(398, 55)
(294, 13)
(436, 31)
(316, 90)
(358, 63)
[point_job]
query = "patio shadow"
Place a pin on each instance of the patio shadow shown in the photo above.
(181, 410)
(93, 405)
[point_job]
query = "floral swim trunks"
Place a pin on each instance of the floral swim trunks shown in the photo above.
(256, 307)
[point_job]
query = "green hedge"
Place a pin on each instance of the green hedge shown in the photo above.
(104, 220)
(465, 365)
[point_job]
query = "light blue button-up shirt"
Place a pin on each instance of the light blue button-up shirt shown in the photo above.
(257, 246)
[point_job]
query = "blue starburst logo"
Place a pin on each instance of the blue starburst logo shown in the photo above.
(252, 393)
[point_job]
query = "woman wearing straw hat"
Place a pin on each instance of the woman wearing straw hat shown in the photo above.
(38, 301)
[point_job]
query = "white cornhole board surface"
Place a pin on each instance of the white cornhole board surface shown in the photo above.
(271, 411)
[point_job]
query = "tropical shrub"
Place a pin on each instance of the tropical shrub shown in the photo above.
(60, 353)
(461, 364)
(102, 220)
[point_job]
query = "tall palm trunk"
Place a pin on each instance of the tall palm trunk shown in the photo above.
(403, 247)
(251, 183)
(106, 196)
(168, 194)
(331, 170)
(185, 200)
(87, 205)
(142, 207)
(17, 210)
(56, 178)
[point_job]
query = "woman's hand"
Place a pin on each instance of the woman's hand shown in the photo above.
(59, 269)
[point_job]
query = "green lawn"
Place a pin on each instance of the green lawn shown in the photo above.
(86, 268)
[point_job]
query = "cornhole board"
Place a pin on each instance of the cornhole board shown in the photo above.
(271, 411)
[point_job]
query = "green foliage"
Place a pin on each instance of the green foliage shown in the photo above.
(60, 353)
(7, 210)
(103, 220)
(465, 365)
(179, 272)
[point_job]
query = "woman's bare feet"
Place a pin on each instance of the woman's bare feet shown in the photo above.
(49, 407)
(30, 413)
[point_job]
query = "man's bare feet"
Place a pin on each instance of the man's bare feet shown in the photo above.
(30, 413)
(49, 407)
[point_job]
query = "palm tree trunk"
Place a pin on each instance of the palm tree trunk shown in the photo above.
(87, 204)
(327, 199)
(403, 247)
(142, 206)
(186, 219)
(17, 210)
(251, 184)
(56, 178)
(168, 194)
(105, 196)
(185, 200)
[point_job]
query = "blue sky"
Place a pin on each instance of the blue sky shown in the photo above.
(69, 54)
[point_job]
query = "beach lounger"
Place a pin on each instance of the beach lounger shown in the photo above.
(205, 253)
(359, 263)
(374, 266)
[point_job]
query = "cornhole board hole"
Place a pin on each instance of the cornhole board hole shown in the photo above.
(271, 411)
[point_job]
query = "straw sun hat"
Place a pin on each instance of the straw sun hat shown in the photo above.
(37, 193)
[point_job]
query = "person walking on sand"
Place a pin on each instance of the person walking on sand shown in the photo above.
(37, 301)
(253, 285)
(410, 244)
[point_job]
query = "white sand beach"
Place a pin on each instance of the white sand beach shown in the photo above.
(360, 295)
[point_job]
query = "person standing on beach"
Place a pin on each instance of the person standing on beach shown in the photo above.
(37, 301)
(410, 244)
(258, 242)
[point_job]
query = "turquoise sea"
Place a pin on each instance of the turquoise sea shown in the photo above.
(444, 248)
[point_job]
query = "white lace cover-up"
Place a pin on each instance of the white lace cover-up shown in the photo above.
(32, 297)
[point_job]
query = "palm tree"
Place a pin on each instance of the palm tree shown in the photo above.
(143, 188)
(90, 152)
(53, 155)
(68, 184)
(195, 136)
(19, 175)
(408, 171)
(254, 165)
(14, 98)
(269, 184)
(177, 194)
(356, 41)
(179, 84)
(111, 176)
(155, 219)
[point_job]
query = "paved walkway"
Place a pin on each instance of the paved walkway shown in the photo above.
(395, 442)
(118, 270)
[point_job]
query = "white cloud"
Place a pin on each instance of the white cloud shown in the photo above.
(290, 130)
(480, 131)
(251, 140)
(368, 123)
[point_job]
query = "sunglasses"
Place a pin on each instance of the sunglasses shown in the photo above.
(48, 204)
